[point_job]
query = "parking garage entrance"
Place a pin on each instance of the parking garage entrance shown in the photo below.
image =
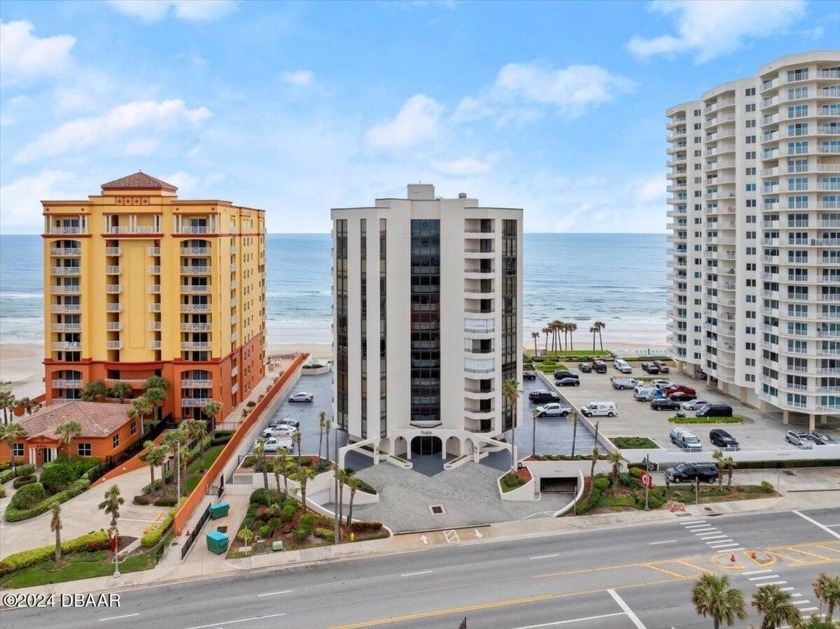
(426, 445)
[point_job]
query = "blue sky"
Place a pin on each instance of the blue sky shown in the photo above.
(299, 107)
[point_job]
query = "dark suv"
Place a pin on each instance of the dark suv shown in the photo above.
(664, 404)
(723, 439)
(541, 395)
(692, 471)
(563, 373)
(651, 368)
(599, 366)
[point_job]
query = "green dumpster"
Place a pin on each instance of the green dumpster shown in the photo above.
(217, 542)
(219, 510)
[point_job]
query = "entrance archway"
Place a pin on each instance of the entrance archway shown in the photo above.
(426, 445)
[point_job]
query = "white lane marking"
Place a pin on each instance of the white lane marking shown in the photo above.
(664, 541)
(766, 576)
(720, 537)
(709, 531)
(273, 593)
(801, 602)
(633, 617)
(758, 585)
(788, 589)
(765, 570)
(545, 557)
(808, 609)
(231, 622)
(832, 525)
(722, 544)
(565, 622)
(699, 527)
(414, 574)
(822, 526)
(118, 617)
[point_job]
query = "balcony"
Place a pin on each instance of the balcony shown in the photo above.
(66, 290)
(114, 345)
(234, 388)
(195, 229)
(196, 270)
(113, 289)
(113, 270)
(66, 327)
(113, 326)
(195, 402)
(154, 345)
(199, 289)
(195, 251)
(196, 307)
(65, 270)
(197, 384)
(113, 307)
(196, 327)
(234, 285)
(234, 371)
(57, 231)
(66, 346)
(155, 326)
(153, 251)
(66, 252)
(67, 384)
(137, 229)
(196, 346)
(154, 269)
(154, 288)
(112, 251)
(65, 308)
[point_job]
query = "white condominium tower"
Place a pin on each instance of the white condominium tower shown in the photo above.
(754, 177)
(427, 323)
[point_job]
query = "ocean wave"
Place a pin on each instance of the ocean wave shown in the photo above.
(38, 296)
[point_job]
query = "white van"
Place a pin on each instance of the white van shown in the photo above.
(622, 365)
(643, 394)
(599, 409)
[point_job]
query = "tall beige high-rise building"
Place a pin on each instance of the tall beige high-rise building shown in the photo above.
(754, 177)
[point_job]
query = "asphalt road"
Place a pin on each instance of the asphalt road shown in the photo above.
(593, 579)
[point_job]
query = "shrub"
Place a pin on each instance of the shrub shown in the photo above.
(151, 539)
(706, 420)
(140, 500)
(276, 524)
(366, 525)
(288, 512)
(250, 404)
(97, 540)
(301, 533)
(57, 477)
(266, 531)
(2, 492)
(20, 470)
(249, 461)
(20, 481)
(28, 496)
(324, 533)
(307, 520)
(263, 497)
(165, 501)
(767, 486)
(16, 515)
(630, 443)
(245, 536)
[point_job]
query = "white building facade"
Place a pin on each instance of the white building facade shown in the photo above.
(754, 177)
(427, 323)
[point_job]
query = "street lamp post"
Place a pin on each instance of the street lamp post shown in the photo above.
(335, 484)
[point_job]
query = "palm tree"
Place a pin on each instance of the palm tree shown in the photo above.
(94, 392)
(156, 397)
(615, 459)
(140, 409)
(724, 463)
(827, 589)
(120, 390)
(572, 327)
(342, 480)
(353, 484)
(11, 433)
(277, 468)
(556, 326)
(283, 458)
(546, 332)
(211, 410)
(600, 325)
(815, 621)
(595, 454)
(776, 606)
(296, 439)
(304, 474)
(56, 525)
(259, 452)
(593, 331)
(27, 404)
(534, 432)
(327, 428)
(535, 336)
(155, 455)
(175, 443)
(712, 596)
(156, 382)
(322, 422)
(195, 430)
(574, 415)
(7, 403)
(113, 501)
(511, 392)
(66, 433)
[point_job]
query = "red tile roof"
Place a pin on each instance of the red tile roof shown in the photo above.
(138, 181)
(98, 419)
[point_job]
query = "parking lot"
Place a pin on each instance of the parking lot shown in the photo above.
(637, 419)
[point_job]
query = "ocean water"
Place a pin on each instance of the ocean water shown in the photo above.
(615, 278)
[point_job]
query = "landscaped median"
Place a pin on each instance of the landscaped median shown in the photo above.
(705, 420)
(60, 481)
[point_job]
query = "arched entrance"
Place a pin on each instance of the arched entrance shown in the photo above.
(425, 445)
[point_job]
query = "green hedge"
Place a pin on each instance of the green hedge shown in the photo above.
(153, 537)
(97, 540)
(633, 443)
(20, 481)
(706, 420)
(20, 470)
(567, 457)
(28, 496)
(16, 515)
(762, 465)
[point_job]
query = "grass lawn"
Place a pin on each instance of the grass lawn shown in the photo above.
(73, 567)
(193, 471)
(631, 443)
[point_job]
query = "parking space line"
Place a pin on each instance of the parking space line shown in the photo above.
(819, 524)
(624, 606)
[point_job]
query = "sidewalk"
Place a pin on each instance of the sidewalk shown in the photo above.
(805, 489)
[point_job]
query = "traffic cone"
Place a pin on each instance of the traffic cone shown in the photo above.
(187, 533)
(732, 557)
(682, 506)
(178, 532)
(671, 508)
(752, 555)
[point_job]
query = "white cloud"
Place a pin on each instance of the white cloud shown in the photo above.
(417, 122)
(20, 200)
(298, 78)
(190, 10)
(113, 128)
(26, 58)
(465, 166)
(711, 28)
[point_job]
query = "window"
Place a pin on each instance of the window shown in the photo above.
(750, 124)
(797, 148)
(751, 187)
(797, 75)
(749, 108)
(750, 235)
(750, 139)
(797, 165)
(751, 218)
(797, 111)
(749, 155)
(752, 203)
(750, 91)
(17, 450)
(797, 202)
(134, 428)
(751, 171)
(750, 266)
(800, 128)
(84, 449)
(797, 183)
(116, 440)
(797, 92)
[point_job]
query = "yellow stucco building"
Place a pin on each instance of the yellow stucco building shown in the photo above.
(139, 283)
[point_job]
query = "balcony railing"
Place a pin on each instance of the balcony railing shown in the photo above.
(155, 326)
(114, 345)
(196, 270)
(66, 251)
(154, 288)
(196, 327)
(197, 384)
(154, 269)
(66, 327)
(113, 307)
(113, 270)
(137, 229)
(154, 345)
(195, 402)
(153, 251)
(112, 251)
(193, 290)
(67, 230)
(193, 346)
(113, 326)
(67, 384)
(195, 251)
(113, 289)
(65, 308)
(196, 307)
(65, 290)
(65, 270)
(66, 346)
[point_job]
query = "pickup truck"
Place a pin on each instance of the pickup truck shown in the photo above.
(651, 368)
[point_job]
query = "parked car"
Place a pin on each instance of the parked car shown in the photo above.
(623, 383)
(567, 382)
(685, 439)
(643, 394)
(664, 404)
(585, 367)
(278, 432)
(529, 375)
(681, 396)
(691, 472)
(563, 373)
(723, 439)
(599, 409)
(824, 439)
(599, 366)
(273, 444)
(286, 421)
(694, 405)
(673, 388)
(801, 439)
(539, 396)
(302, 397)
(659, 383)
(714, 410)
(663, 366)
(650, 367)
(553, 409)
(622, 365)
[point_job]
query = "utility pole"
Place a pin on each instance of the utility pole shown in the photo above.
(335, 483)
(178, 471)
